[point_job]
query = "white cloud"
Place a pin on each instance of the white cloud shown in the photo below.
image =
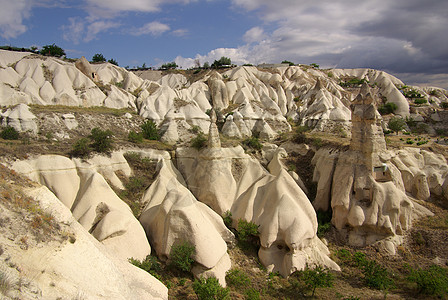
(110, 8)
(74, 31)
(154, 28)
(255, 34)
(97, 27)
(180, 32)
(85, 30)
(12, 15)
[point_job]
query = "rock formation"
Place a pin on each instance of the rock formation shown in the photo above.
(367, 193)
(82, 188)
(84, 66)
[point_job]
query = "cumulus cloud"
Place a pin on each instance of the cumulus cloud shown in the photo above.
(12, 15)
(255, 34)
(154, 28)
(401, 36)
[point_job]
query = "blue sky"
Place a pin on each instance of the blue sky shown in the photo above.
(405, 37)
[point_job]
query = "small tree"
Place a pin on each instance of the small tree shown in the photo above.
(52, 50)
(288, 62)
(98, 58)
(223, 61)
(170, 65)
(113, 61)
(396, 124)
(317, 277)
(206, 65)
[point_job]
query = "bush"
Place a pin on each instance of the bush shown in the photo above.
(387, 108)
(135, 137)
(419, 101)
(247, 230)
(253, 143)
(167, 66)
(52, 50)
(81, 148)
(101, 140)
(98, 58)
(323, 222)
(208, 289)
(376, 276)
(223, 61)
(444, 105)
(181, 256)
(149, 130)
(237, 278)
(9, 133)
(288, 62)
(150, 264)
(199, 141)
(314, 278)
(432, 281)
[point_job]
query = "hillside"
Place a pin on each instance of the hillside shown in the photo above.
(263, 171)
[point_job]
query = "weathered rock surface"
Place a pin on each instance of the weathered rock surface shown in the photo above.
(81, 187)
(172, 216)
(78, 266)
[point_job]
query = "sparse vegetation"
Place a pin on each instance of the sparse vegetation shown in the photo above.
(81, 148)
(238, 279)
(181, 256)
(199, 141)
(227, 218)
(135, 137)
(6, 283)
(253, 143)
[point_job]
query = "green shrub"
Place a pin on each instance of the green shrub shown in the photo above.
(247, 230)
(227, 218)
(314, 278)
(420, 101)
(432, 281)
(299, 135)
(344, 255)
(135, 137)
(396, 124)
(9, 133)
(195, 129)
(81, 148)
(101, 140)
(253, 143)
(149, 130)
(237, 278)
(210, 289)
(199, 141)
(150, 264)
(376, 276)
(181, 256)
(444, 105)
(387, 108)
(252, 294)
(359, 259)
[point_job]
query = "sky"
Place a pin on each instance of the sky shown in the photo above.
(407, 38)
